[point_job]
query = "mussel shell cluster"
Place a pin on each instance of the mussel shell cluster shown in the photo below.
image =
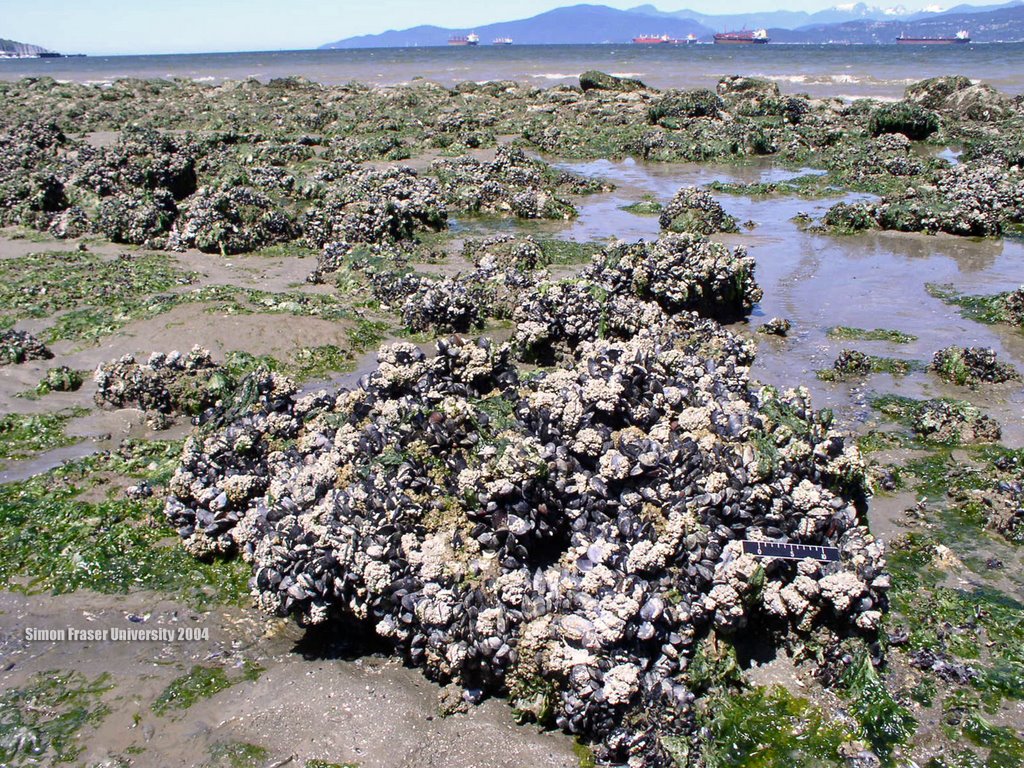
(681, 272)
(21, 346)
(979, 364)
(565, 538)
(695, 210)
(167, 384)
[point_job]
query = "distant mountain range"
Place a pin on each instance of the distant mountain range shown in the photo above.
(578, 24)
(1000, 26)
(21, 50)
(798, 19)
(855, 23)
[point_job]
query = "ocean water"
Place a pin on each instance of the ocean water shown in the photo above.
(881, 71)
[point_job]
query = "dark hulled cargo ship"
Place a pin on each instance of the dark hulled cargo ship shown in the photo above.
(960, 38)
(746, 37)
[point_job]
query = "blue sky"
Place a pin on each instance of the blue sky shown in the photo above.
(145, 26)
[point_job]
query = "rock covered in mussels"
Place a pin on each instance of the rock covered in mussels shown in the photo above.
(565, 539)
(970, 366)
(20, 346)
(695, 210)
(681, 272)
(229, 221)
(593, 80)
(953, 422)
(511, 184)
(368, 205)
(166, 384)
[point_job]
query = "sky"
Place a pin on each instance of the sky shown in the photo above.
(98, 27)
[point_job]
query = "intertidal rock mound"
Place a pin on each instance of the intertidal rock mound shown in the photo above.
(593, 80)
(674, 106)
(952, 423)
(852, 362)
(136, 218)
(1002, 499)
(554, 319)
(912, 120)
(511, 184)
(367, 205)
(1013, 306)
(163, 386)
(451, 305)
(230, 221)
(961, 97)
(933, 91)
(777, 326)
(19, 346)
(505, 252)
(695, 210)
(142, 159)
(566, 540)
(681, 272)
(750, 96)
(972, 199)
(969, 366)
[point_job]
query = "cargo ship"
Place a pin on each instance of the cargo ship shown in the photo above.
(746, 37)
(962, 37)
(473, 39)
(502, 41)
(664, 40)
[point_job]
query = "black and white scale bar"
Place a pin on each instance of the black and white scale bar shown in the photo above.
(791, 551)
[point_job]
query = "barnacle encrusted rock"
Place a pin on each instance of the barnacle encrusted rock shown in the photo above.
(694, 210)
(567, 538)
(19, 346)
(167, 384)
(681, 272)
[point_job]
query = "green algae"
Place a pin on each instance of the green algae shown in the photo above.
(101, 290)
(646, 207)
(770, 728)
(236, 754)
(367, 334)
(569, 252)
(983, 309)
(52, 540)
(884, 723)
(584, 754)
(847, 333)
(317, 362)
(22, 436)
(41, 720)
(201, 682)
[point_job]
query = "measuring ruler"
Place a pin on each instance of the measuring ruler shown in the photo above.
(788, 551)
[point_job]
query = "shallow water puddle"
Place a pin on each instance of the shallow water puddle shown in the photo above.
(871, 280)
